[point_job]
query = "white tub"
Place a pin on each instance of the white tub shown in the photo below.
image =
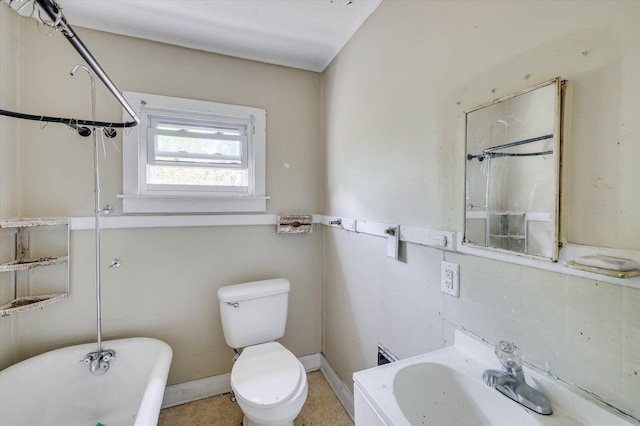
(56, 388)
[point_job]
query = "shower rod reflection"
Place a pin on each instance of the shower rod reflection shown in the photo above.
(491, 152)
(59, 23)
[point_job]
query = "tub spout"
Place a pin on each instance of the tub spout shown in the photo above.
(95, 365)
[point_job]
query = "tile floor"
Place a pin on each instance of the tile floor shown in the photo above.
(322, 408)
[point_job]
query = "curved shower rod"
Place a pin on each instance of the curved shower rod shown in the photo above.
(59, 22)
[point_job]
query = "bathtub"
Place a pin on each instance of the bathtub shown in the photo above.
(56, 388)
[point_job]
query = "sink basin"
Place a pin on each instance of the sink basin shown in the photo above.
(429, 393)
(445, 388)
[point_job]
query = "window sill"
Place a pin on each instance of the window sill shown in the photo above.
(173, 204)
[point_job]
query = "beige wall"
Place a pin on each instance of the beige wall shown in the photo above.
(393, 104)
(393, 119)
(10, 74)
(167, 285)
(10, 49)
(167, 288)
(291, 98)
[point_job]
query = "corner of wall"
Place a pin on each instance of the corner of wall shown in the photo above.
(11, 53)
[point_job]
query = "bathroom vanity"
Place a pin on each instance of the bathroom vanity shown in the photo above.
(445, 387)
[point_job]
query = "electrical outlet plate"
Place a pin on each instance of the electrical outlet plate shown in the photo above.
(450, 278)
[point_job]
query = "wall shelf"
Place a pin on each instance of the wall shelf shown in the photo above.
(29, 223)
(24, 264)
(37, 272)
(28, 303)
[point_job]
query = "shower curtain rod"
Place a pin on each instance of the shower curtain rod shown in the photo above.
(491, 152)
(514, 154)
(59, 22)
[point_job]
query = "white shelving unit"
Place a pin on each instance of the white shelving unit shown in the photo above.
(35, 262)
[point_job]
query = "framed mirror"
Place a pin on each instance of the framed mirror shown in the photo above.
(512, 173)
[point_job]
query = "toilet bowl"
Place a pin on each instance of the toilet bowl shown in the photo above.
(269, 382)
(270, 385)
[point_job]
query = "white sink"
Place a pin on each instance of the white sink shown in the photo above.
(445, 387)
(429, 393)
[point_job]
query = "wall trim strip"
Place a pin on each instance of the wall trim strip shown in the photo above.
(122, 222)
(444, 240)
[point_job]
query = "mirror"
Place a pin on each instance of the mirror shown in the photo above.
(513, 173)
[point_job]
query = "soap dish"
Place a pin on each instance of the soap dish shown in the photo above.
(294, 224)
(618, 274)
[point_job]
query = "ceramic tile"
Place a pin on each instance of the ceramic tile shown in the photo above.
(544, 348)
(631, 385)
(631, 306)
(595, 332)
(594, 370)
(544, 300)
(492, 325)
(631, 341)
(498, 288)
(596, 298)
(448, 333)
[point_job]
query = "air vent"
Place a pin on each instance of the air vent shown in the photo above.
(385, 356)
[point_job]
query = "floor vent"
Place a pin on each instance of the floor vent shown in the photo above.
(385, 356)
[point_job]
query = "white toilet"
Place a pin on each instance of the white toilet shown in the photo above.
(269, 382)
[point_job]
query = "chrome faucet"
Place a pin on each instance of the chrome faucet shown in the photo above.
(511, 382)
(98, 361)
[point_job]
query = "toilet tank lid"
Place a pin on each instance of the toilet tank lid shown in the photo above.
(253, 290)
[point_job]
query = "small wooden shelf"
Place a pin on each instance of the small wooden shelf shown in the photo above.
(28, 303)
(21, 265)
(609, 272)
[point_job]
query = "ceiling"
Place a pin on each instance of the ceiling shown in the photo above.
(303, 34)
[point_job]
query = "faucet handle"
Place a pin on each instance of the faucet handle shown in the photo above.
(509, 355)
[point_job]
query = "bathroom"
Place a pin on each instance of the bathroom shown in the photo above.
(406, 77)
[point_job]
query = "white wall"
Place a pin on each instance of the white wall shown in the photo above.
(393, 113)
(167, 284)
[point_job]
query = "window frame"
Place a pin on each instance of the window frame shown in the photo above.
(141, 197)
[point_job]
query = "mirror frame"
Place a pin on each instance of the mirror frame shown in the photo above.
(557, 169)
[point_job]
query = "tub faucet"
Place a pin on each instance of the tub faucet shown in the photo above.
(98, 361)
(511, 382)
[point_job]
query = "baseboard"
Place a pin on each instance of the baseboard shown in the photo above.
(194, 390)
(345, 396)
(311, 362)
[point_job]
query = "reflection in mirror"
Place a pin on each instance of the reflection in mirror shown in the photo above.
(512, 173)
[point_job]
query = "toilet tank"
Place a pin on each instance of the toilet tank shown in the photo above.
(254, 312)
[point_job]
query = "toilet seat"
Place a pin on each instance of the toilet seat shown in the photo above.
(266, 375)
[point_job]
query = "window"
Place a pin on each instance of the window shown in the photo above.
(193, 156)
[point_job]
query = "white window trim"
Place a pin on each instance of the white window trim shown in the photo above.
(135, 198)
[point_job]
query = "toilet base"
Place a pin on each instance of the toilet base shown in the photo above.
(282, 414)
(247, 422)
